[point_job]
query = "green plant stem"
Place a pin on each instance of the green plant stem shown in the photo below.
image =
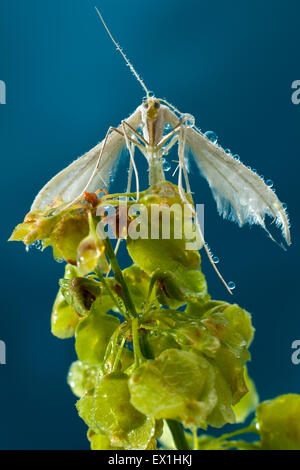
(120, 279)
(118, 356)
(195, 436)
(178, 435)
(248, 429)
(103, 280)
(138, 355)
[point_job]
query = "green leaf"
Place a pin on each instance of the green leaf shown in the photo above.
(177, 385)
(82, 377)
(99, 441)
(64, 318)
(93, 334)
(36, 226)
(222, 412)
(222, 333)
(232, 326)
(279, 423)
(160, 342)
(248, 402)
(138, 284)
(176, 269)
(85, 408)
(115, 415)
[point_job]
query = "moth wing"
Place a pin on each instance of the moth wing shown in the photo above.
(70, 182)
(241, 195)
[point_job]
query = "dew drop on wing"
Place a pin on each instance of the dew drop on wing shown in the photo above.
(244, 200)
(166, 165)
(269, 183)
(189, 119)
(216, 259)
(236, 157)
(212, 136)
(231, 285)
(228, 151)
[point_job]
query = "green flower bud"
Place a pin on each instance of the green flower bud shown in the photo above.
(82, 377)
(117, 418)
(279, 423)
(80, 293)
(91, 252)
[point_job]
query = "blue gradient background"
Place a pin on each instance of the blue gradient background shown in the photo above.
(231, 65)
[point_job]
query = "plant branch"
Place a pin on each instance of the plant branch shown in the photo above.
(178, 435)
(120, 279)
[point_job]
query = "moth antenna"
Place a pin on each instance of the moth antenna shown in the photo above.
(170, 106)
(123, 54)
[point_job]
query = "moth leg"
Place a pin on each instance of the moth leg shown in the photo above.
(127, 191)
(131, 153)
(137, 134)
(170, 145)
(182, 169)
(168, 136)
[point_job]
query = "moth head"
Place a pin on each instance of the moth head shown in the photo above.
(151, 107)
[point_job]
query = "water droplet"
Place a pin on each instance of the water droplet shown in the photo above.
(166, 165)
(167, 127)
(37, 244)
(227, 151)
(189, 119)
(236, 157)
(215, 259)
(254, 170)
(211, 136)
(262, 177)
(284, 205)
(249, 167)
(231, 285)
(269, 183)
(244, 200)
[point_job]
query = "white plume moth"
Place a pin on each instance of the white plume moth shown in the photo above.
(241, 194)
